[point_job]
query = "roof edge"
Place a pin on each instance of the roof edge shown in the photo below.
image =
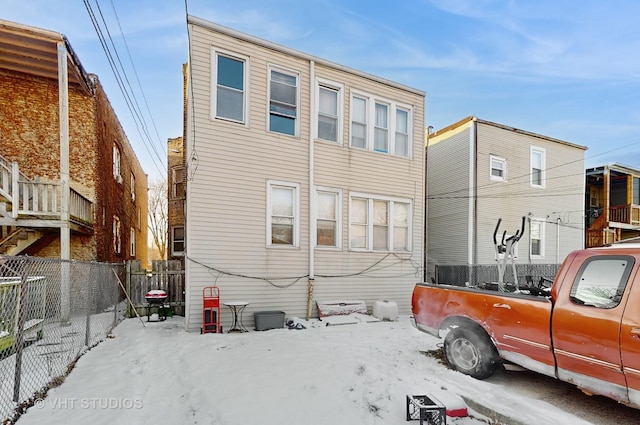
(191, 19)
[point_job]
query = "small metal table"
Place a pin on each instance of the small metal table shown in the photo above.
(236, 309)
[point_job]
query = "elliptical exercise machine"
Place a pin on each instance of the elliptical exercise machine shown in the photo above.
(506, 248)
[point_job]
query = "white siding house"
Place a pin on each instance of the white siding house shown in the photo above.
(305, 179)
(479, 171)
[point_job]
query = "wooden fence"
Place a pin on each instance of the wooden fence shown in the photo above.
(166, 275)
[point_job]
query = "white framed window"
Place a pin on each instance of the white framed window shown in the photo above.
(402, 132)
(328, 217)
(359, 127)
(497, 168)
(283, 214)
(391, 129)
(379, 223)
(132, 187)
(536, 238)
(132, 242)
(330, 104)
(229, 97)
(177, 182)
(538, 165)
(116, 234)
(177, 241)
(116, 163)
(283, 102)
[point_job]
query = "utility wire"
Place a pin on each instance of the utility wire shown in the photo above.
(135, 115)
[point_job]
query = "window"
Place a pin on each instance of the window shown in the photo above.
(283, 101)
(283, 207)
(379, 224)
(132, 241)
(536, 237)
(537, 167)
(116, 164)
(601, 281)
(328, 218)
(498, 168)
(329, 113)
(381, 132)
(230, 92)
(177, 241)
(177, 179)
(391, 129)
(116, 235)
(359, 122)
(132, 185)
(402, 132)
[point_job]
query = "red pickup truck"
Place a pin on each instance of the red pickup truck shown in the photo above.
(583, 329)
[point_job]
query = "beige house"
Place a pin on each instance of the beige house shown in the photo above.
(305, 179)
(480, 171)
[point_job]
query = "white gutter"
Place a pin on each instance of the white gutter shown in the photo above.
(312, 197)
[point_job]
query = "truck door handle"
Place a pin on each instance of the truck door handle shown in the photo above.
(635, 333)
(508, 307)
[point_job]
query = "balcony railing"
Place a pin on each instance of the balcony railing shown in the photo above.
(628, 214)
(32, 198)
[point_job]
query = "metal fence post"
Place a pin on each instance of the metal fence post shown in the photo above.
(19, 339)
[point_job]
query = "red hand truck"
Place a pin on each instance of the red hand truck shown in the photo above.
(210, 310)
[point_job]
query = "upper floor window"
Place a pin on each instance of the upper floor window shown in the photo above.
(359, 122)
(132, 184)
(132, 241)
(177, 241)
(538, 174)
(116, 164)
(283, 102)
(381, 133)
(498, 167)
(230, 87)
(379, 224)
(402, 132)
(328, 223)
(177, 182)
(283, 213)
(330, 112)
(380, 125)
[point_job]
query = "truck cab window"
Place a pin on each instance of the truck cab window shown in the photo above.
(601, 281)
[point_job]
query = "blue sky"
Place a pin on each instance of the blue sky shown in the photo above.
(565, 69)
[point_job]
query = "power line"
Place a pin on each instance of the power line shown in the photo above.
(131, 105)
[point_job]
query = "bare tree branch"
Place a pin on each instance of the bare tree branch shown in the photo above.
(158, 215)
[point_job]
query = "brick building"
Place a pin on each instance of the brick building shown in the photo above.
(65, 160)
(176, 198)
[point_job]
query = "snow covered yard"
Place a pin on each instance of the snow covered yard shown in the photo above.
(343, 374)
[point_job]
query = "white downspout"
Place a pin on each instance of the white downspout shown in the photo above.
(472, 195)
(312, 197)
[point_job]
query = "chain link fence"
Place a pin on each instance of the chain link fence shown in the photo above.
(484, 275)
(51, 312)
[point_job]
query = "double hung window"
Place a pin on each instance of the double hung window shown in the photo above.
(230, 87)
(328, 218)
(283, 102)
(380, 125)
(379, 224)
(537, 167)
(498, 167)
(329, 113)
(283, 214)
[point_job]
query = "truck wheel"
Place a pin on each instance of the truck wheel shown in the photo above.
(470, 353)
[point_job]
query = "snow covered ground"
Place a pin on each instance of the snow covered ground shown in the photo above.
(340, 374)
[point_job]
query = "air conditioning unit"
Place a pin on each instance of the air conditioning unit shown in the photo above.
(119, 179)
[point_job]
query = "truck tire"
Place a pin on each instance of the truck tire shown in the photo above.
(470, 352)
